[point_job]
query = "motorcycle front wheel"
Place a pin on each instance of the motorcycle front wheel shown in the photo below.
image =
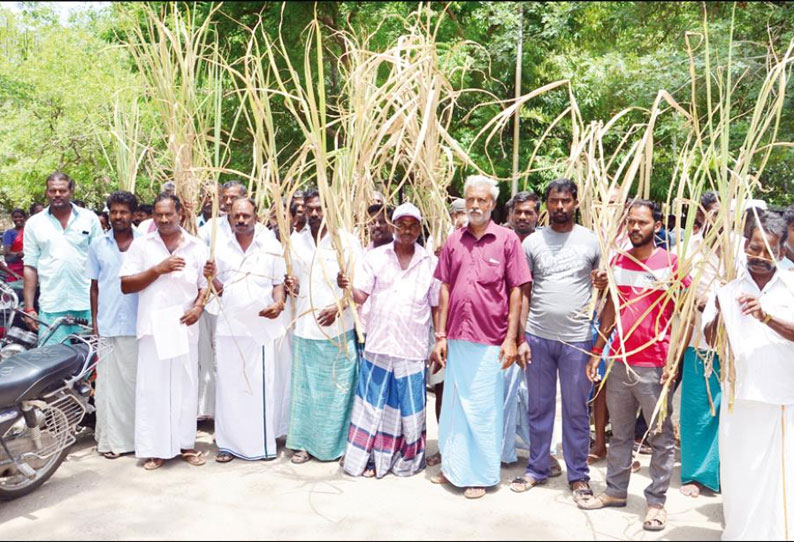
(12, 491)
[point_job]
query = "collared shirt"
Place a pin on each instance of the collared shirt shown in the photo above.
(786, 265)
(248, 279)
(117, 313)
(762, 357)
(59, 256)
(400, 300)
(225, 236)
(645, 310)
(147, 226)
(175, 288)
(316, 267)
(480, 274)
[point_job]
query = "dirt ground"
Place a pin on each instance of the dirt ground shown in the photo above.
(91, 497)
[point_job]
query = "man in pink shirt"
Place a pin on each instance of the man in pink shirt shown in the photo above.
(387, 425)
(644, 277)
(483, 272)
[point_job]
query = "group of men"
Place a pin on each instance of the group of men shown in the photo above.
(327, 342)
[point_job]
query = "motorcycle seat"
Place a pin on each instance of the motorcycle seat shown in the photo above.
(25, 375)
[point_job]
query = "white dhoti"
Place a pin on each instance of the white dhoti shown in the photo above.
(207, 365)
(282, 347)
(166, 401)
(115, 396)
(247, 398)
(756, 499)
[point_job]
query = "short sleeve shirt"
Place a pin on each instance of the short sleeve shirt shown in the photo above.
(175, 288)
(117, 313)
(561, 287)
(59, 256)
(400, 301)
(642, 288)
(480, 273)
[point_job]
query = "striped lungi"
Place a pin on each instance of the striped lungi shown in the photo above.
(387, 427)
(323, 386)
(471, 425)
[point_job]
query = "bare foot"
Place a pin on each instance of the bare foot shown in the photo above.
(597, 453)
(690, 490)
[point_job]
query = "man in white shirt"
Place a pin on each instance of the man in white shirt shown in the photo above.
(324, 362)
(165, 268)
(250, 276)
(230, 191)
(756, 435)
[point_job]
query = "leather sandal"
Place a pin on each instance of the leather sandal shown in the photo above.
(194, 457)
(602, 500)
(299, 457)
(474, 492)
(525, 483)
(223, 457)
(655, 519)
(153, 463)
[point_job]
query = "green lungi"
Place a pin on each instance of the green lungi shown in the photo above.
(700, 455)
(324, 376)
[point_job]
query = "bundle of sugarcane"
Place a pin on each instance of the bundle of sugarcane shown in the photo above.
(128, 145)
(175, 58)
(706, 162)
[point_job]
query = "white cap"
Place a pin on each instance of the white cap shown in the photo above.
(406, 209)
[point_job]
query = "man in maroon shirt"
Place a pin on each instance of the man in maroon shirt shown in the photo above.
(483, 272)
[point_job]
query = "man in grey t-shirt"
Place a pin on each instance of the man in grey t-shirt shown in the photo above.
(562, 258)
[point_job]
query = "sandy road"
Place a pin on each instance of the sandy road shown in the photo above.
(91, 497)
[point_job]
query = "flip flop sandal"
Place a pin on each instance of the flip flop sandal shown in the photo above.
(300, 457)
(433, 460)
(368, 473)
(111, 455)
(223, 457)
(439, 478)
(655, 519)
(522, 484)
(600, 501)
(153, 463)
(474, 492)
(194, 458)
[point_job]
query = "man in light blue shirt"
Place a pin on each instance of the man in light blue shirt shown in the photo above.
(115, 317)
(56, 246)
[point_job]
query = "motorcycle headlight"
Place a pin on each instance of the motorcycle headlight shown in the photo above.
(10, 350)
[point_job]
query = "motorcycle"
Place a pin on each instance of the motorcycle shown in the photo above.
(44, 395)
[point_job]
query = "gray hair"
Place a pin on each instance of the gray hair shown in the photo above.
(480, 180)
(232, 184)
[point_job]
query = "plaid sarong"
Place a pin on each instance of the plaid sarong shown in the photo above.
(387, 427)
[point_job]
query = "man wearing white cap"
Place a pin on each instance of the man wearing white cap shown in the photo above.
(387, 425)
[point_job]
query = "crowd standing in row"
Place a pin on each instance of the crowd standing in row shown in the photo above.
(500, 313)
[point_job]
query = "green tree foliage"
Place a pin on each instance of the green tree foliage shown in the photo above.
(57, 84)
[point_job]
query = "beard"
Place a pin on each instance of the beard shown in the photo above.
(642, 241)
(478, 219)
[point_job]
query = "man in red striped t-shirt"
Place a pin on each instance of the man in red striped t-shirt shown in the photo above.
(645, 277)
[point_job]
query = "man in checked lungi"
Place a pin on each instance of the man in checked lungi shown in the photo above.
(483, 273)
(249, 276)
(387, 426)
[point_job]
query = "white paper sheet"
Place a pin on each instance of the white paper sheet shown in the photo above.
(170, 336)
